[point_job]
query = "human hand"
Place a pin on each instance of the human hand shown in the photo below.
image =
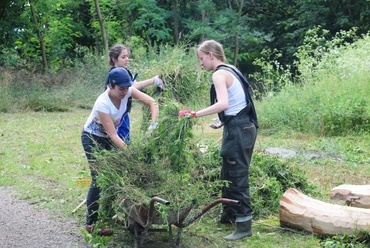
(153, 126)
(184, 112)
(216, 123)
(125, 148)
(187, 112)
(159, 82)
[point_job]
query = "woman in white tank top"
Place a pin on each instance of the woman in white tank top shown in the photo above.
(239, 135)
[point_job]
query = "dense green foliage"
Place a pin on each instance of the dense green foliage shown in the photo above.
(51, 35)
(332, 98)
(270, 177)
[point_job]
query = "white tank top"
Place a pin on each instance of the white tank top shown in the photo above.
(237, 100)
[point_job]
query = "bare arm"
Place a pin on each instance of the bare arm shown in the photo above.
(147, 100)
(142, 84)
(109, 127)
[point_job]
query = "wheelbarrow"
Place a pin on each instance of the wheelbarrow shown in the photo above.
(140, 218)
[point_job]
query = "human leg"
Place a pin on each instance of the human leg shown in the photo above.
(92, 199)
(92, 205)
(89, 143)
(237, 148)
(238, 189)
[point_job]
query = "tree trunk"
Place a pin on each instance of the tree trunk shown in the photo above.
(236, 49)
(102, 28)
(353, 195)
(305, 213)
(175, 22)
(39, 35)
(203, 23)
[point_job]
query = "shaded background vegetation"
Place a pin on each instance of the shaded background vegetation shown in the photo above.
(51, 35)
(49, 44)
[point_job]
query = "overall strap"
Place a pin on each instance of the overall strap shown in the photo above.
(213, 97)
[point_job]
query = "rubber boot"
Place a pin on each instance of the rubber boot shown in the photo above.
(243, 229)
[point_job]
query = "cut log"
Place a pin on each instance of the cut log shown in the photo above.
(302, 212)
(353, 195)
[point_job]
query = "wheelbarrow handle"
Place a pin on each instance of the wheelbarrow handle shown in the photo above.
(151, 208)
(158, 199)
(228, 201)
(208, 207)
(221, 200)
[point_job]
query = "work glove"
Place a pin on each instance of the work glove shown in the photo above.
(187, 112)
(159, 82)
(151, 127)
(184, 112)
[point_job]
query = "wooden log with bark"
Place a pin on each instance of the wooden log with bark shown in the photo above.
(299, 211)
(353, 195)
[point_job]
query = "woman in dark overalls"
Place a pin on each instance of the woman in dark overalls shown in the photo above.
(230, 99)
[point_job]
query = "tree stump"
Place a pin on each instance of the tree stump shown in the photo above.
(353, 195)
(302, 212)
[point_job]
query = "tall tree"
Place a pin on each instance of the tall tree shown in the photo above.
(43, 32)
(40, 36)
(102, 27)
(175, 21)
(10, 26)
(48, 34)
(240, 4)
(148, 20)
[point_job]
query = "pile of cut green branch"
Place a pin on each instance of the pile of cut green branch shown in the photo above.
(168, 165)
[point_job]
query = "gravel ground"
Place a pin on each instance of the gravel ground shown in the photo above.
(22, 225)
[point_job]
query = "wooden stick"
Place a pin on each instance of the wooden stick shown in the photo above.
(82, 203)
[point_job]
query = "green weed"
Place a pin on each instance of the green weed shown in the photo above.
(331, 96)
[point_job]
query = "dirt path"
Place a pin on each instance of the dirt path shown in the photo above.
(22, 225)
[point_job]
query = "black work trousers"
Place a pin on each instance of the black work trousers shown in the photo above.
(239, 137)
(92, 143)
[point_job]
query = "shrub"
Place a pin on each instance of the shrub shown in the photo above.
(270, 177)
(332, 98)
